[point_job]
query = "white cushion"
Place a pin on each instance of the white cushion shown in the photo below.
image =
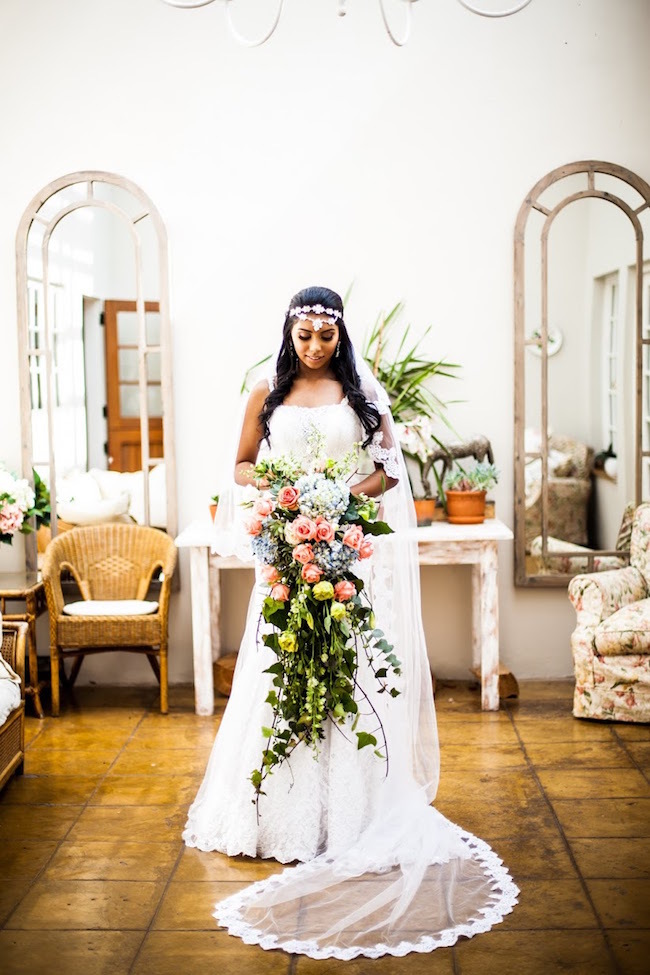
(110, 607)
(9, 699)
(94, 512)
(81, 488)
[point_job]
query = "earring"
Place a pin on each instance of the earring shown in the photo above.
(338, 350)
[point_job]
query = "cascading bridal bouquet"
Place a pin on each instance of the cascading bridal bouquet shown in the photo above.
(309, 531)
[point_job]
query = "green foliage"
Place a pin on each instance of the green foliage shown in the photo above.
(481, 477)
(405, 371)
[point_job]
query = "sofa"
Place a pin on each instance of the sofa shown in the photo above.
(13, 637)
(570, 464)
(611, 641)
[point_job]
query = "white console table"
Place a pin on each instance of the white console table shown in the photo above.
(438, 544)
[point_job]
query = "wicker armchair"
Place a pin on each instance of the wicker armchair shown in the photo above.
(108, 562)
(12, 732)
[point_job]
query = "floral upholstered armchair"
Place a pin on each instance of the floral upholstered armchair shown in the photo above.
(611, 641)
(570, 464)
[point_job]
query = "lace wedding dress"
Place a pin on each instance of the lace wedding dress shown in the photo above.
(382, 871)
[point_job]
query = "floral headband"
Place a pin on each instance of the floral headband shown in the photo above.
(303, 312)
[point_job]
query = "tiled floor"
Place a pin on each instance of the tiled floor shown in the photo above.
(94, 877)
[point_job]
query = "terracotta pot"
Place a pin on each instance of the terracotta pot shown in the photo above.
(424, 510)
(213, 511)
(465, 507)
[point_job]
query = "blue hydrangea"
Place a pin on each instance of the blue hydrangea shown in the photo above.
(334, 558)
(265, 548)
(321, 496)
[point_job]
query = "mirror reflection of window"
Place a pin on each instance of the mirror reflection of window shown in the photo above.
(87, 241)
(583, 418)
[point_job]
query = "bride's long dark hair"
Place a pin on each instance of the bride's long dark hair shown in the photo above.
(343, 366)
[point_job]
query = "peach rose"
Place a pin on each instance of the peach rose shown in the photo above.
(253, 525)
(324, 531)
(366, 548)
(270, 574)
(303, 553)
(311, 573)
(344, 590)
(280, 592)
(288, 497)
(353, 537)
(304, 528)
(263, 507)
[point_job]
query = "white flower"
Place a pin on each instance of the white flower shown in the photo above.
(19, 490)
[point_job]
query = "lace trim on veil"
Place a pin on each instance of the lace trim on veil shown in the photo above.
(504, 896)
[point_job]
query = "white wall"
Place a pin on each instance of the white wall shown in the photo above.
(326, 156)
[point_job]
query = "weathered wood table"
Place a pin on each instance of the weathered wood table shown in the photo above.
(438, 544)
(26, 587)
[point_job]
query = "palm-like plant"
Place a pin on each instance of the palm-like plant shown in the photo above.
(405, 375)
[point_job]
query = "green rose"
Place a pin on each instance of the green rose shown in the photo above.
(323, 590)
(288, 641)
(338, 611)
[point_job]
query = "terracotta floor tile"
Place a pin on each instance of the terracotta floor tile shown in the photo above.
(617, 858)
(202, 952)
(11, 893)
(33, 728)
(196, 865)
(603, 817)
(189, 905)
(87, 904)
(567, 728)
(640, 752)
(501, 952)
(22, 859)
(38, 822)
(476, 717)
(146, 761)
(113, 860)
(623, 903)
(586, 783)
(57, 735)
(56, 789)
(546, 690)
(181, 724)
(494, 784)
(531, 856)
(74, 952)
(195, 735)
(634, 731)
(149, 790)
(479, 756)
(631, 950)
(491, 820)
(543, 902)
(69, 761)
(475, 733)
(157, 823)
(438, 962)
(101, 718)
(573, 755)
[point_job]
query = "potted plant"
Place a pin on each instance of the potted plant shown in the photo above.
(465, 491)
(214, 501)
(404, 374)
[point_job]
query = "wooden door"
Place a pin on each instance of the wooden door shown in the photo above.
(122, 390)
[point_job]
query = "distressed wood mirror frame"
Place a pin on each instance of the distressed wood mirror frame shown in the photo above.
(85, 186)
(590, 170)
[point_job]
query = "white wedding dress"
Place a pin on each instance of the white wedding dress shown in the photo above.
(382, 871)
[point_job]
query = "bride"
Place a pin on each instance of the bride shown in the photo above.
(381, 871)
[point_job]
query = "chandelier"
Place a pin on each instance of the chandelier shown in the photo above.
(400, 41)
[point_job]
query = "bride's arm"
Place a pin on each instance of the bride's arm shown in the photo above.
(251, 436)
(384, 454)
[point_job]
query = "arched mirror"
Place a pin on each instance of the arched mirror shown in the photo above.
(95, 353)
(582, 370)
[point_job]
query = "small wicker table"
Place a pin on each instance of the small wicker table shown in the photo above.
(27, 587)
